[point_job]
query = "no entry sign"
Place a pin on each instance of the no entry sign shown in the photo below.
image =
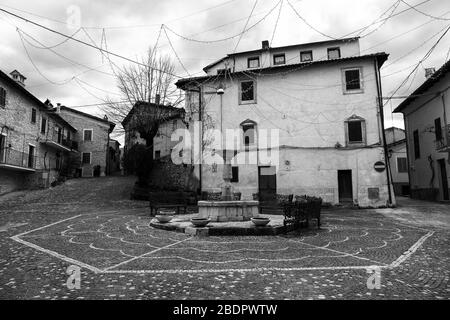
(379, 166)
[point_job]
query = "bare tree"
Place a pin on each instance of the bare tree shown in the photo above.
(149, 87)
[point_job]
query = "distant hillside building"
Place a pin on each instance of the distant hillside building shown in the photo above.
(398, 159)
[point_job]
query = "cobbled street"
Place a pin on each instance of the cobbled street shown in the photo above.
(91, 223)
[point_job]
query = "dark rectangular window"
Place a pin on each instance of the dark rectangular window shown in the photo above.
(416, 144)
(306, 56)
(87, 135)
(2, 97)
(334, 53)
(355, 133)
(86, 158)
(44, 125)
(234, 174)
(33, 115)
(253, 62)
(157, 154)
(402, 165)
(438, 129)
(352, 79)
(247, 91)
(279, 59)
(31, 156)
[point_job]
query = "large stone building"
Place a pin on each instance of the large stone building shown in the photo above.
(36, 143)
(92, 136)
(398, 160)
(322, 98)
(426, 113)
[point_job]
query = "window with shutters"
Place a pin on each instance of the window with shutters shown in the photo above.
(247, 92)
(355, 131)
(402, 165)
(2, 97)
(352, 80)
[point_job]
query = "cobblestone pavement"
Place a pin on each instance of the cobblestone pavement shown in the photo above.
(92, 224)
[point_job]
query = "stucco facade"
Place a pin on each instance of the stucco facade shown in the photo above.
(93, 145)
(398, 159)
(427, 128)
(308, 104)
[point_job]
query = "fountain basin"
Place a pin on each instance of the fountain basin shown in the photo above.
(223, 211)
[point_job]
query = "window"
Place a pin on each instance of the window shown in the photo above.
(306, 56)
(2, 97)
(2, 147)
(334, 53)
(402, 165)
(416, 144)
(87, 135)
(253, 62)
(352, 80)
(355, 131)
(86, 158)
(249, 134)
(247, 92)
(43, 125)
(438, 129)
(234, 174)
(33, 115)
(279, 59)
(157, 154)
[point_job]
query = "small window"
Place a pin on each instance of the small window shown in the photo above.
(253, 62)
(87, 135)
(249, 134)
(2, 97)
(352, 78)
(306, 56)
(33, 115)
(234, 174)
(279, 59)
(334, 53)
(355, 134)
(402, 165)
(31, 157)
(416, 144)
(438, 129)
(157, 154)
(86, 158)
(43, 125)
(247, 91)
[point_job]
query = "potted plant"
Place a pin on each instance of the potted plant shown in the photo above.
(260, 221)
(200, 222)
(164, 216)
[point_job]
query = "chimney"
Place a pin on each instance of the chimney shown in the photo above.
(429, 72)
(18, 77)
(265, 45)
(157, 99)
(58, 108)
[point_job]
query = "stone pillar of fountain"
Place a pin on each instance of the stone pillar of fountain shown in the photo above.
(227, 194)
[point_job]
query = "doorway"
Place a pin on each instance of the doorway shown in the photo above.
(2, 147)
(267, 183)
(31, 156)
(444, 181)
(345, 188)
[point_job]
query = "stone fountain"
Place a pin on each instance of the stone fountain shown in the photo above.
(228, 209)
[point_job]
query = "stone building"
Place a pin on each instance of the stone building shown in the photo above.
(321, 99)
(36, 143)
(92, 136)
(398, 160)
(427, 126)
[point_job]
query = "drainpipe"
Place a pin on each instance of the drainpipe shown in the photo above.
(445, 123)
(200, 115)
(380, 105)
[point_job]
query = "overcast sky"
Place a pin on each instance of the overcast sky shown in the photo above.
(131, 26)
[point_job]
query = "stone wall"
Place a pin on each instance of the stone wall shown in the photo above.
(167, 175)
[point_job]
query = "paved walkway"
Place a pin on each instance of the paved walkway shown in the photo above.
(91, 223)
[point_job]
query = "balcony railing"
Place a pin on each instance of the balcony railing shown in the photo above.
(16, 160)
(57, 140)
(443, 144)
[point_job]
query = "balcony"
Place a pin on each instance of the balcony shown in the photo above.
(443, 144)
(57, 141)
(17, 161)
